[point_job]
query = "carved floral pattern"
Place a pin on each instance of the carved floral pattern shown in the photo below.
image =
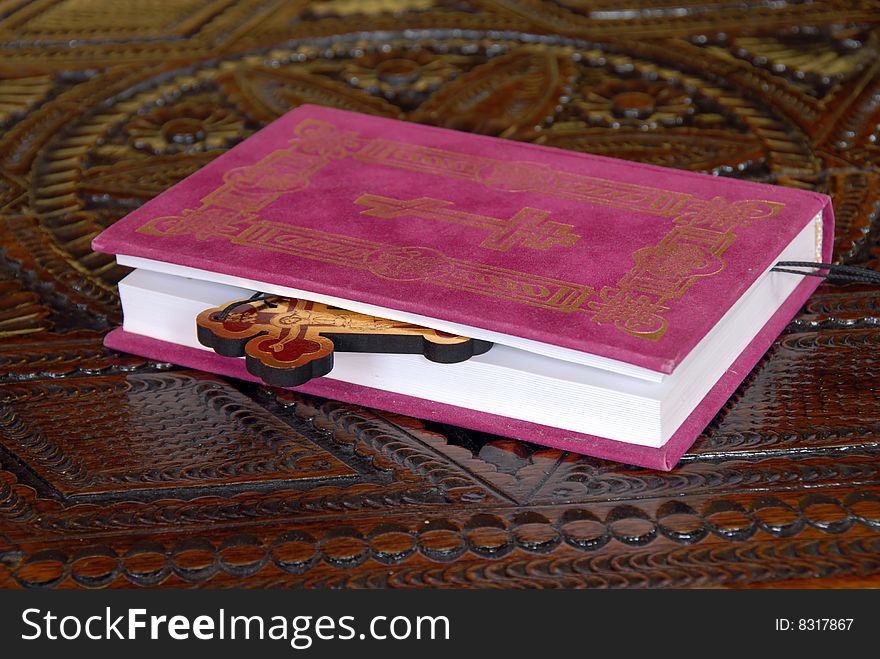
(101, 481)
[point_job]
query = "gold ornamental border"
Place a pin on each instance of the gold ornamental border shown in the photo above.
(703, 229)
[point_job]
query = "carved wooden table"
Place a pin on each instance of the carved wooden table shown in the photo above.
(116, 471)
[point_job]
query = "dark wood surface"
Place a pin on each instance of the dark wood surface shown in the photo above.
(116, 471)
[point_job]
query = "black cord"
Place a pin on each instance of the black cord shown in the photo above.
(835, 272)
(256, 297)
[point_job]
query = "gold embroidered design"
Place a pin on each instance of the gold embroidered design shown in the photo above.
(665, 271)
(702, 231)
(522, 177)
(529, 227)
(390, 262)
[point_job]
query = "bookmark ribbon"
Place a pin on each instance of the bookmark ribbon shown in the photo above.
(835, 271)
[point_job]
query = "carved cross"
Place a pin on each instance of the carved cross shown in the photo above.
(286, 342)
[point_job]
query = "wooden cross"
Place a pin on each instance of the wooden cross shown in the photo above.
(286, 342)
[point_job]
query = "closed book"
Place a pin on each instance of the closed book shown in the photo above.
(625, 302)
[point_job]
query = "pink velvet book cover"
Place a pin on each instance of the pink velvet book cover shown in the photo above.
(625, 261)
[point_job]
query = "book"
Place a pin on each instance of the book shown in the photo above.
(625, 302)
